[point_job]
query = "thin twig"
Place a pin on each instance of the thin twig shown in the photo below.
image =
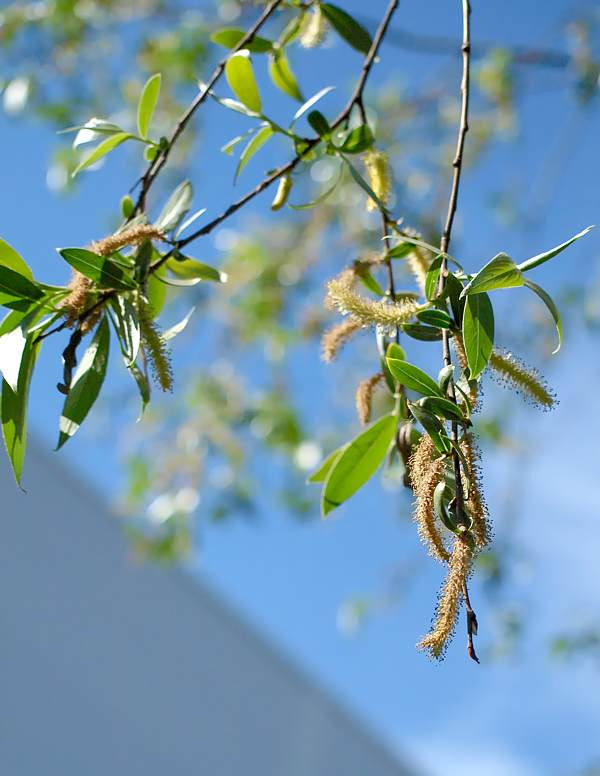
(457, 163)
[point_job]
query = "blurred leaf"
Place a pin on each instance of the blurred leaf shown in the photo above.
(253, 146)
(105, 147)
(282, 75)
(229, 37)
(176, 208)
(147, 104)
(347, 27)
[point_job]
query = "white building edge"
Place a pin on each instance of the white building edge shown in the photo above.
(110, 668)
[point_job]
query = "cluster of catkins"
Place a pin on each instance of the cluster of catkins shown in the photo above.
(82, 308)
(427, 470)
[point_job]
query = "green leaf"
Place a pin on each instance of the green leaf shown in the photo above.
(319, 123)
(438, 318)
(357, 463)
(176, 208)
(395, 351)
(368, 281)
(309, 103)
(347, 27)
(100, 269)
(10, 258)
(478, 332)
(143, 384)
(443, 408)
(156, 293)
(535, 261)
(432, 278)
(422, 333)
(127, 206)
(412, 377)
(230, 37)
(125, 319)
(103, 148)
(549, 302)
(320, 475)
(189, 221)
(253, 146)
(282, 76)
(14, 409)
(147, 104)
(400, 251)
(358, 140)
(17, 287)
(240, 77)
(432, 425)
(499, 272)
(86, 384)
(192, 269)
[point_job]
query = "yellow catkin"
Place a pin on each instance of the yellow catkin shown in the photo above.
(380, 177)
(134, 235)
(334, 338)
(314, 28)
(418, 261)
(446, 615)
(364, 397)
(523, 379)
(342, 297)
(80, 286)
(156, 349)
(425, 473)
(475, 503)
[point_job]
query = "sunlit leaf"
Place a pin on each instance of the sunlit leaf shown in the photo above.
(499, 272)
(535, 261)
(240, 77)
(103, 148)
(282, 75)
(253, 146)
(357, 463)
(478, 332)
(176, 208)
(230, 37)
(147, 104)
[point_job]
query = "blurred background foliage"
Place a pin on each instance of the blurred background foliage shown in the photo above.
(241, 418)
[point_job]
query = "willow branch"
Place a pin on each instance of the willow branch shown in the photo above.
(457, 164)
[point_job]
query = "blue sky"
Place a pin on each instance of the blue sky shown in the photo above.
(525, 716)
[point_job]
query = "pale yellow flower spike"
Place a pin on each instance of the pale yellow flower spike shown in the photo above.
(364, 397)
(446, 615)
(523, 379)
(341, 296)
(380, 177)
(425, 473)
(476, 505)
(334, 338)
(314, 28)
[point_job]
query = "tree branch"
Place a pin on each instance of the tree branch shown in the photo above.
(457, 162)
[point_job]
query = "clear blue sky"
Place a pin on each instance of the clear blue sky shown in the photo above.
(525, 716)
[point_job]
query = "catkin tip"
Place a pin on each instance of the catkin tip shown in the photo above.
(334, 338)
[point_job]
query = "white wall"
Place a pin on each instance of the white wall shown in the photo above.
(109, 668)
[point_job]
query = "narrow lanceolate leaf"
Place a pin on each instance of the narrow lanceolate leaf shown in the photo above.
(14, 409)
(535, 261)
(478, 332)
(86, 384)
(433, 426)
(549, 302)
(499, 272)
(229, 37)
(310, 103)
(176, 208)
(439, 318)
(282, 76)
(103, 148)
(358, 463)
(127, 326)
(240, 77)
(253, 146)
(443, 408)
(191, 269)
(100, 269)
(412, 377)
(10, 258)
(147, 104)
(177, 328)
(320, 475)
(347, 27)
(14, 287)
